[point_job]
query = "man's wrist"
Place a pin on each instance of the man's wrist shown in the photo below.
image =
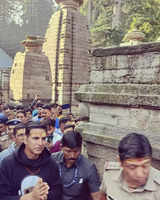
(27, 197)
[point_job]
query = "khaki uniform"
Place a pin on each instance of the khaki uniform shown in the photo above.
(115, 188)
(4, 141)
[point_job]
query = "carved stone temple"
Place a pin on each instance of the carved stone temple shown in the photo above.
(30, 73)
(67, 47)
(56, 69)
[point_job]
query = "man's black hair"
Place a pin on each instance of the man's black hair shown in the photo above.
(49, 122)
(19, 107)
(63, 120)
(21, 111)
(28, 110)
(39, 105)
(18, 127)
(6, 107)
(134, 145)
(11, 107)
(69, 126)
(53, 105)
(34, 125)
(72, 139)
(46, 106)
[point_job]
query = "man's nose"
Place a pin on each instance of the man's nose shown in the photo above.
(40, 141)
(72, 155)
(140, 172)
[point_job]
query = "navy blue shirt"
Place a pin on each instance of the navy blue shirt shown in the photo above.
(78, 181)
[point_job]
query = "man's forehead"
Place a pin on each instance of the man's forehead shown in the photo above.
(138, 160)
(21, 130)
(71, 149)
(11, 126)
(38, 132)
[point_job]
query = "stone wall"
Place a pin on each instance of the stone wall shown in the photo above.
(123, 96)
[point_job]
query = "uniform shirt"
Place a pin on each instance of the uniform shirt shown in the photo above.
(116, 188)
(8, 151)
(87, 178)
(4, 141)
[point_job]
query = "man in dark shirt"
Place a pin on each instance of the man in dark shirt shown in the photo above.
(79, 175)
(30, 173)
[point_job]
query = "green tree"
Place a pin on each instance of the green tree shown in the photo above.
(141, 14)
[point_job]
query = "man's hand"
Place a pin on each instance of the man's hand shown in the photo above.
(98, 196)
(40, 191)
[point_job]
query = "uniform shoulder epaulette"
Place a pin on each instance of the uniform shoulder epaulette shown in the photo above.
(111, 165)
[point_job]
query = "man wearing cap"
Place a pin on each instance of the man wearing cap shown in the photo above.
(32, 158)
(4, 142)
(79, 175)
(17, 140)
(134, 178)
(10, 127)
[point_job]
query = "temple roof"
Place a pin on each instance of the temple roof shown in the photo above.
(5, 59)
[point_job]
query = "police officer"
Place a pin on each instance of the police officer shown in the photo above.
(79, 175)
(10, 127)
(134, 178)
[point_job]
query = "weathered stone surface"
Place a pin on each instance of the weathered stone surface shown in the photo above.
(139, 68)
(127, 50)
(123, 97)
(132, 95)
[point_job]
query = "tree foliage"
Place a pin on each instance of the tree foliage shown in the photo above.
(19, 18)
(141, 14)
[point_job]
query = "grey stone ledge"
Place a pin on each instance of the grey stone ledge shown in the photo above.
(127, 50)
(120, 94)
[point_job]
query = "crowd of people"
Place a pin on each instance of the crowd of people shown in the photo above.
(49, 114)
(41, 159)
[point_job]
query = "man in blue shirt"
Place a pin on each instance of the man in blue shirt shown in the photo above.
(79, 175)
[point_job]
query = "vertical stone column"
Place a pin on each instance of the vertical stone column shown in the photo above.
(67, 49)
(30, 73)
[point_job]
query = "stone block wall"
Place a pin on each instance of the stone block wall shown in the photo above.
(123, 97)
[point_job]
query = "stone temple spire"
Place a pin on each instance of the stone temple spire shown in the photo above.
(67, 47)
